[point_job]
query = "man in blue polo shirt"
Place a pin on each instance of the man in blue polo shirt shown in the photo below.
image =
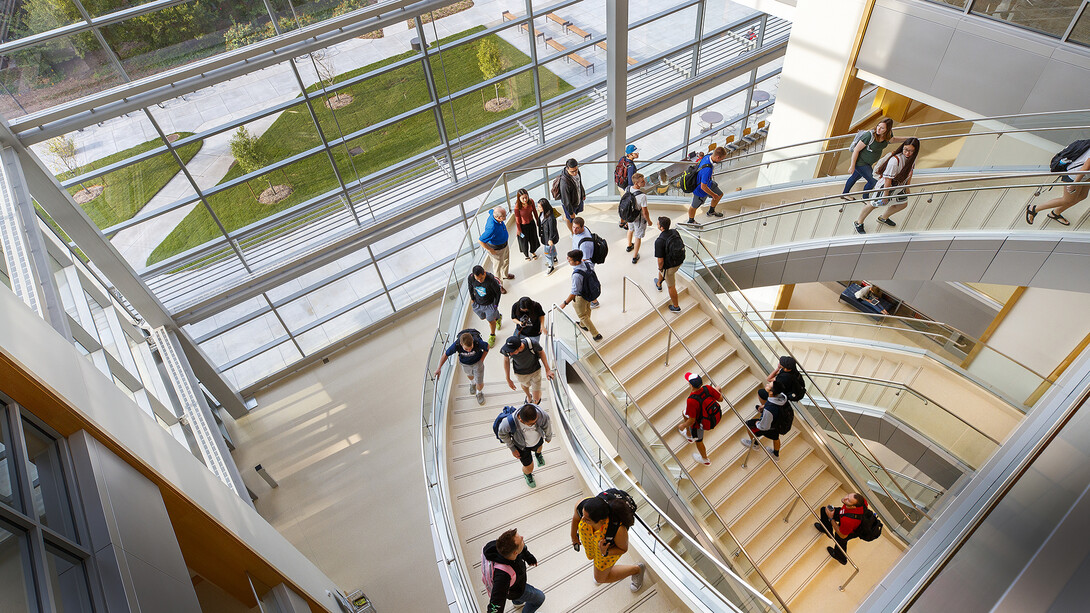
(494, 240)
(706, 186)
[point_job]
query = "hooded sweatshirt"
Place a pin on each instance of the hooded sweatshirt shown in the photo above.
(770, 411)
(502, 586)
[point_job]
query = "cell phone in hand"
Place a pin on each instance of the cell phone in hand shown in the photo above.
(576, 546)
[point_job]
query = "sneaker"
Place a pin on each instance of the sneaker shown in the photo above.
(775, 454)
(540, 459)
(658, 284)
(637, 579)
(859, 228)
(499, 321)
(714, 213)
(491, 340)
(673, 309)
(472, 386)
(636, 259)
(623, 224)
(701, 459)
(835, 554)
(629, 248)
(595, 304)
(597, 337)
(748, 442)
(555, 261)
(846, 197)
(820, 528)
(685, 433)
(888, 222)
(551, 270)
(584, 328)
(480, 397)
(530, 480)
(692, 222)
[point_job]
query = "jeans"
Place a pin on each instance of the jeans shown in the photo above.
(550, 253)
(531, 599)
(862, 171)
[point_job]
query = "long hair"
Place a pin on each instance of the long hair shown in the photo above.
(518, 199)
(545, 206)
(620, 512)
(889, 130)
(906, 168)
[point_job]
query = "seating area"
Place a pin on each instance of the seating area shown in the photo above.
(569, 28)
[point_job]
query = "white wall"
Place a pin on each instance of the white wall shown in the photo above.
(1043, 327)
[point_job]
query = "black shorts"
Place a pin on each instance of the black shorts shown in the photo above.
(769, 434)
(524, 454)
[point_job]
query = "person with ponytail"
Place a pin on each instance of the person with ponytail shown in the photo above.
(896, 173)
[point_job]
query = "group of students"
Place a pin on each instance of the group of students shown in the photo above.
(894, 169)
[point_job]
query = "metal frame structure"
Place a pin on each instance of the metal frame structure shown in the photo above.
(1065, 36)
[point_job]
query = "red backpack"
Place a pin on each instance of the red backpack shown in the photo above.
(710, 413)
(620, 173)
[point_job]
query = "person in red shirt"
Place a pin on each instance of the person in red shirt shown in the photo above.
(690, 427)
(841, 526)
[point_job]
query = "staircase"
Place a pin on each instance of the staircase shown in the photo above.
(751, 501)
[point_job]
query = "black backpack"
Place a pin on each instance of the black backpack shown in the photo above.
(1070, 153)
(616, 494)
(784, 419)
(620, 174)
(689, 181)
(474, 331)
(601, 248)
(627, 209)
(675, 249)
(592, 287)
(870, 527)
(708, 415)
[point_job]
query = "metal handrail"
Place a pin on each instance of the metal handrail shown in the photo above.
(676, 459)
(808, 395)
(556, 385)
(971, 338)
(896, 384)
(919, 483)
(741, 420)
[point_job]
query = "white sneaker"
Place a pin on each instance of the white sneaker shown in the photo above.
(701, 459)
(637, 579)
(747, 442)
(685, 433)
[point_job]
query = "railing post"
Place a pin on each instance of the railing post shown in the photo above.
(669, 335)
(790, 510)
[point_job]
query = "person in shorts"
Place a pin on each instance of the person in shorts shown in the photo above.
(636, 229)
(525, 435)
(767, 414)
(589, 527)
(667, 264)
(525, 357)
(471, 350)
(484, 295)
(690, 426)
(1072, 194)
(706, 186)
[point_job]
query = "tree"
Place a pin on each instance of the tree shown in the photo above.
(247, 153)
(489, 61)
(63, 151)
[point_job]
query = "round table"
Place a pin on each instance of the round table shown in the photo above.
(712, 117)
(760, 96)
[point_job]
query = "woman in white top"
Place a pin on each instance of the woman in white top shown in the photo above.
(896, 172)
(1072, 194)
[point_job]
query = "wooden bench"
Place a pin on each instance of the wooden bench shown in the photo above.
(575, 30)
(589, 66)
(553, 17)
(555, 45)
(509, 16)
(631, 62)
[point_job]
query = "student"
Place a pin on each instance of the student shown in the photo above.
(589, 526)
(583, 279)
(700, 397)
(526, 433)
(484, 295)
(706, 186)
(670, 253)
(572, 193)
(765, 424)
(526, 357)
(896, 171)
(628, 164)
(494, 241)
(503, 567)
(866, 150)
(546, 227)
(790, 379)
(526, 223)
(841, 524)
(638, 228)
(1072, 194)
(529, 318)
(471, 350)
(583, 240)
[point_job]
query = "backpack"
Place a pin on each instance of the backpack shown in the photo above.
(675, 249)
(616, 494)
(601, 248)
(709, 414)
(784, 419)
(507, 413)
(855, 141)
(487, 566)
(627, 209)
(620, 174)
(690, 181)
(796, 388)
(474, 331)
(870, 527)
(592, 287)
(555, 189)
(1070, 153)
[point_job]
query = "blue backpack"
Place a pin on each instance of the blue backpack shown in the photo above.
(507, 413)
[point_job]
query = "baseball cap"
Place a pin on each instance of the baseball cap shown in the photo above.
(787, 362)
(629, 150)
(512, 343)
(693, 379)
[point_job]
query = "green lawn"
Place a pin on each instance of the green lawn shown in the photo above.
(129, 189)
(374, 100)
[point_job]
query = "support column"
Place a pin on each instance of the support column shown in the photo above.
(783, 302)
(617, 76)
(992, 327)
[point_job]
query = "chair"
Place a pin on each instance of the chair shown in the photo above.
(712, 147)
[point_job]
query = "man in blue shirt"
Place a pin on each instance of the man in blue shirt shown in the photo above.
(631, 152)
(494, 240)
(580, 272)
(706, 186)
(471, 350)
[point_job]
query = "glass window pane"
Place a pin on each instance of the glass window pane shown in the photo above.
(357, 106)
(488, 105)
(370, 153)
(14, 560)
(9, 494)
(55, 71)
(955, 3)
(68, 580)
(718, 13)
(49, 492)
(1081, 32)
(37, 16)
(1046, 16)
